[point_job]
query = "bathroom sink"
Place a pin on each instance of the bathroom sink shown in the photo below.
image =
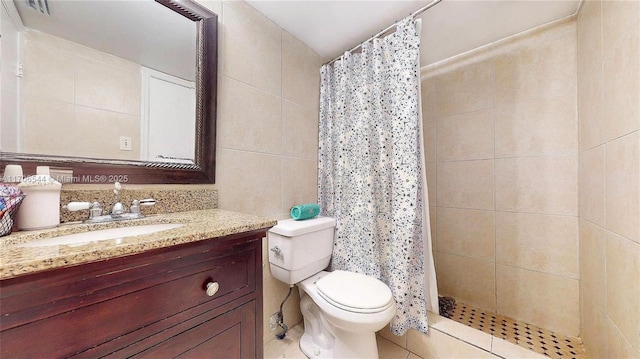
(104, 234)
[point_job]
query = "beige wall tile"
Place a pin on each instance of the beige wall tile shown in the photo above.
(105, 58)
(538, 242)
(622, 186)
(299, 182)
(439, 345)
(537, 184)
(592, 262)
(617, 345)
(546, 126)
(507, 349)
(108, 88)
(398, 340)
(466, 184)
(623, 286)
(463, 90)
(591, 185)
(589, 28)
(565, 27)
(252, 47)
(249, 182)
(48, 69)
(469, 280)
(466, 232)
(42, 38)
(590, 109)
(465, 136)
(431, 182)
(46, 125)
(534, 104)
(97, 133)
(300, 72)
(433, 224)
(536, 70)
(621, 86)
(428, 93)
(388, 350)
(594, 328)
(59, 69)
(544, 300)
(299, 131)
(460, 331)
(619, 18)
(249, 119)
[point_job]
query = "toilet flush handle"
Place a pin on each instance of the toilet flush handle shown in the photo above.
(277, 251)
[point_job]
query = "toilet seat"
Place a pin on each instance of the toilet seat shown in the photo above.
(355, 292)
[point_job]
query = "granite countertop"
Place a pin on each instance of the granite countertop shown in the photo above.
(199, 225)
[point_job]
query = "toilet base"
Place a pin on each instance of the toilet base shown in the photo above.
(311, 350)
(323, 340)
(364, 347)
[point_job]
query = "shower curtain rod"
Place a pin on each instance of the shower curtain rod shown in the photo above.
(381, 32)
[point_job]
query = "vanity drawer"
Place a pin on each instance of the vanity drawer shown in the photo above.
(136, 297)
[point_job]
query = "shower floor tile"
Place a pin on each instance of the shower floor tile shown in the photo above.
(529, 336)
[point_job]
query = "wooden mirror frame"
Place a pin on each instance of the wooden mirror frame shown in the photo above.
(90, 170)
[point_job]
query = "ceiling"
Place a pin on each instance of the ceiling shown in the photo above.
(451, 27)
(330, 27)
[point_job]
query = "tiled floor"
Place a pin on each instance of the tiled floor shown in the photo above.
(290, 349)
(452, 339)
(540, 340)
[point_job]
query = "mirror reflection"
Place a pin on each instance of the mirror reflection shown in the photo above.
(100, 79)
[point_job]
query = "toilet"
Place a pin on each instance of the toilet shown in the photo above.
(342, 310)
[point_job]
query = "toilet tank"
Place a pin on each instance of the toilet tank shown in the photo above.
(300, 249)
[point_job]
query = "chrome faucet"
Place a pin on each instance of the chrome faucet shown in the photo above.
(118, 209)
(117, 213)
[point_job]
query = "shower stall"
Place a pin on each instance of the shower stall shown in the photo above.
(532, 163)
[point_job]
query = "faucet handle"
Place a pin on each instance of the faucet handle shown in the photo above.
(147, 202)
(135, 204)
(94, 208)
(77, 206)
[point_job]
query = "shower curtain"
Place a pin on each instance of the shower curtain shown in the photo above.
(371, 174)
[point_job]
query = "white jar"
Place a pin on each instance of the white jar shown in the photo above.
(41, 207)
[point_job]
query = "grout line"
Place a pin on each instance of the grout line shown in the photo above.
(510, 211)
(495, 232)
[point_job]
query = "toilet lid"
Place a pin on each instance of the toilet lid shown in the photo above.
(354, 292)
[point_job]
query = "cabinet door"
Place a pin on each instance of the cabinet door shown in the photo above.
(227, 336)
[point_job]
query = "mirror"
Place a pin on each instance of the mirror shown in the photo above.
(190, 156)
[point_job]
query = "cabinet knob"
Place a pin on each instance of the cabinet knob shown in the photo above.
(212, 288)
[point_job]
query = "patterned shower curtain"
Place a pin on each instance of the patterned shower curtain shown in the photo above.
(371, 175)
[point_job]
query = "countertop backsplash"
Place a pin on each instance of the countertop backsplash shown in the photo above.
(169, 199)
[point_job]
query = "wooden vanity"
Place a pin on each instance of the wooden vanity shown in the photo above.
(198, 298)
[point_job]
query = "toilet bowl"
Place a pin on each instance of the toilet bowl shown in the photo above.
(342, 310)
(349, 318)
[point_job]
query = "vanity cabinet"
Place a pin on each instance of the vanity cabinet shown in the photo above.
(161, 303)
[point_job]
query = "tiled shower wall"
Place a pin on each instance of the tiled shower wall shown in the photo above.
(501, 139)
(609, 112)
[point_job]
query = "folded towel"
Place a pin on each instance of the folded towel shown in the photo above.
(305, 211)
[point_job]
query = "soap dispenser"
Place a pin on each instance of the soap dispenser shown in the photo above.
(41, 206)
